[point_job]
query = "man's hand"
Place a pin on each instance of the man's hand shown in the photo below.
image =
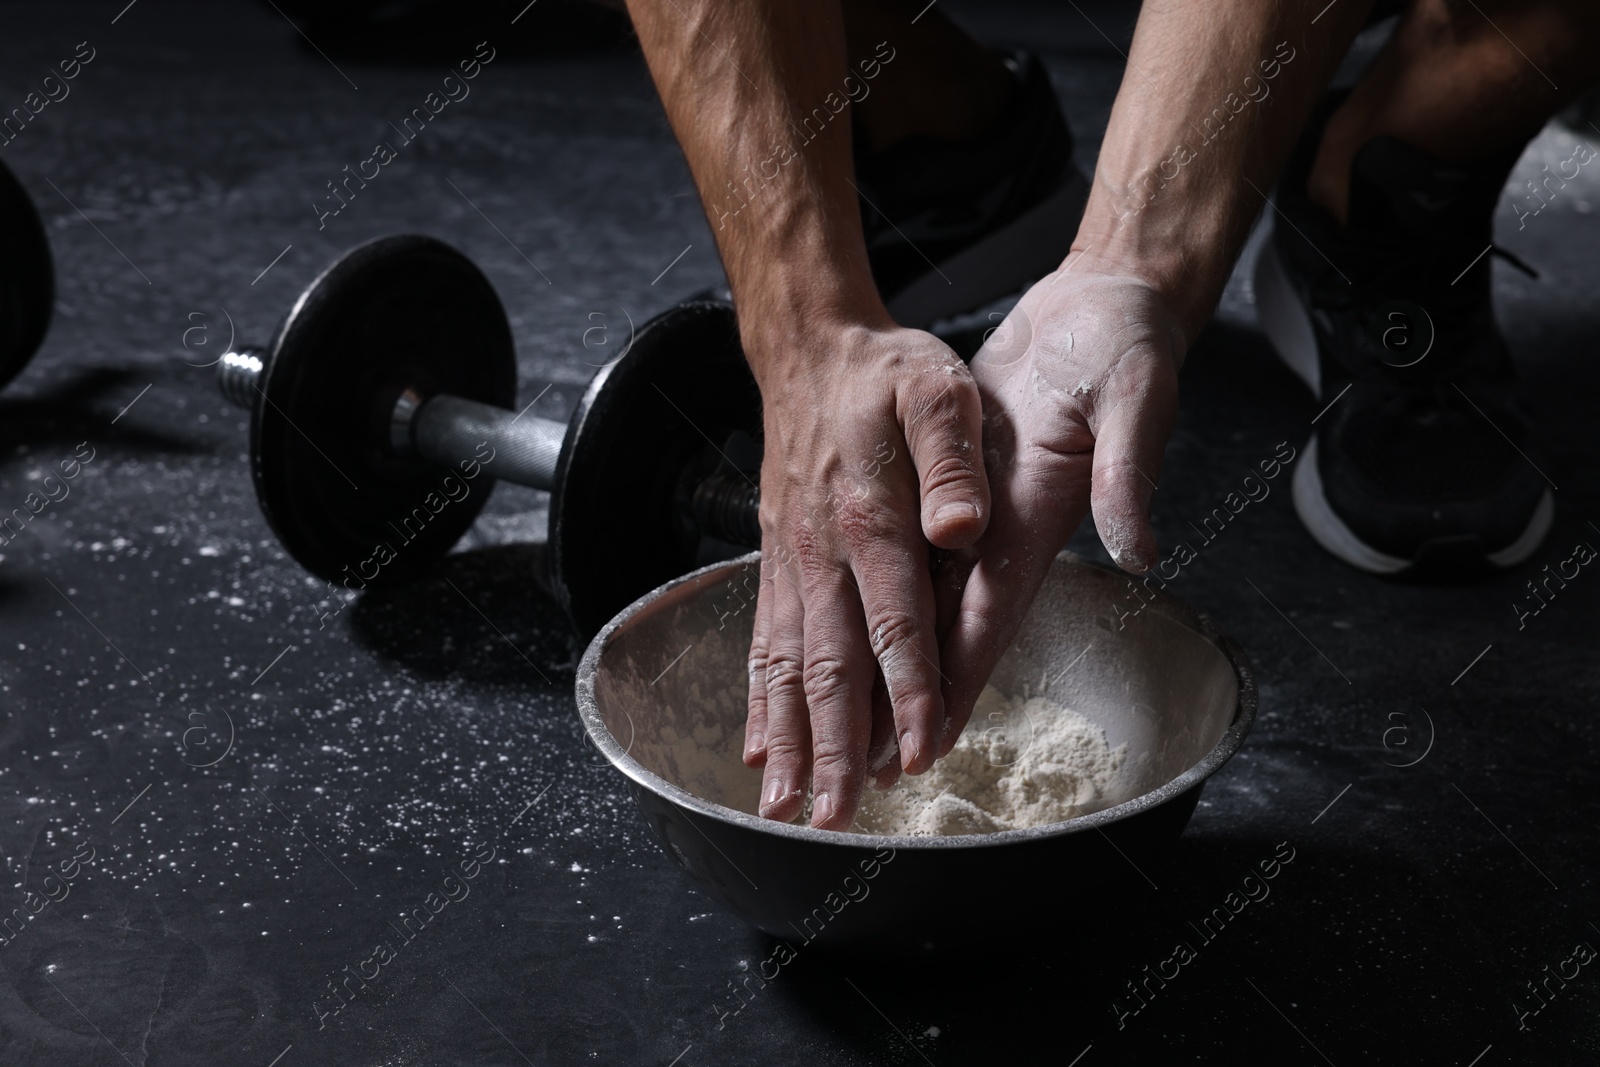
(1080, 392)
(1079, 385)
(1088, 400)
(872, 438)
(872, 431)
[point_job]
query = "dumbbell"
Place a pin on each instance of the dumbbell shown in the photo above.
(27, 278)
(384, 408)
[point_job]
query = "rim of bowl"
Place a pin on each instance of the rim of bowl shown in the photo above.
(1232, 738)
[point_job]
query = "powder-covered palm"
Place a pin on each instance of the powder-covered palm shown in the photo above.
(1080, 392)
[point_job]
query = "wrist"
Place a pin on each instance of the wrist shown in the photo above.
(795, 320)
(1180, 242)
(1172, 207)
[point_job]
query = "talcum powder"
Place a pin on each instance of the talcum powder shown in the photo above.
(1022, 761)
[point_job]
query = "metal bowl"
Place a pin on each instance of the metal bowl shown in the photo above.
(661, 690)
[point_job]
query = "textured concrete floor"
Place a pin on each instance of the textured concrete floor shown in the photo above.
(149, 618)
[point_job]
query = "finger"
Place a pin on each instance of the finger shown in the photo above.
(1014, 557)
(788, 729)
(950, 572)
(755, 727)
(943, 424)
(897, 600)
(992, 609)
(883, 753)
(838, 689)
(1130, 442)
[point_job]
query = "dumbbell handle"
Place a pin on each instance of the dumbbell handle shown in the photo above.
(449, 429)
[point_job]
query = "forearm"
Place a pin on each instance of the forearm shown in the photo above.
(1211, 102)
(756, 94)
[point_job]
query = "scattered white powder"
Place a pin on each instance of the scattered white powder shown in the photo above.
(1020, 762)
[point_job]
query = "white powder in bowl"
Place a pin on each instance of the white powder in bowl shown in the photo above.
(1022, 761)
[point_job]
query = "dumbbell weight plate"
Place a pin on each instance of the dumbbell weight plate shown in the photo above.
(27, 278)
(397, 311)
(648, 428)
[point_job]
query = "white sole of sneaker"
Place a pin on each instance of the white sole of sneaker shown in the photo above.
(1283, 319)
(1288, 329)
(1544, 516)
(1326, 528)
(1008, 259)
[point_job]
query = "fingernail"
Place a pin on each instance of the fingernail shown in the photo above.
(821, 809)
(954, 512)
(910, 750)
(754, 742)
(774, 794)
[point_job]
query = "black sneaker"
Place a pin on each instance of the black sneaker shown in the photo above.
(27, 277)
(1420, 463)
(951, 225)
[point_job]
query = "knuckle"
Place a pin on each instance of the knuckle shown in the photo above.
(783, 677)
(891, 633)
(832, 762)
(772, 512)
(806, 542)
(756, 673)
(826, 680)
(773, 555)
(951, 398)
(951, 470)
(785, 750)
(862, 521)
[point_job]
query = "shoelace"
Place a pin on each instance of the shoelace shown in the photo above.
(1515, 260)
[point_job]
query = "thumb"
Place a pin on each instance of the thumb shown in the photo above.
(944, 431)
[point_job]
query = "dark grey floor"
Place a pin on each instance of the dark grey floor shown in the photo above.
(150, 615)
